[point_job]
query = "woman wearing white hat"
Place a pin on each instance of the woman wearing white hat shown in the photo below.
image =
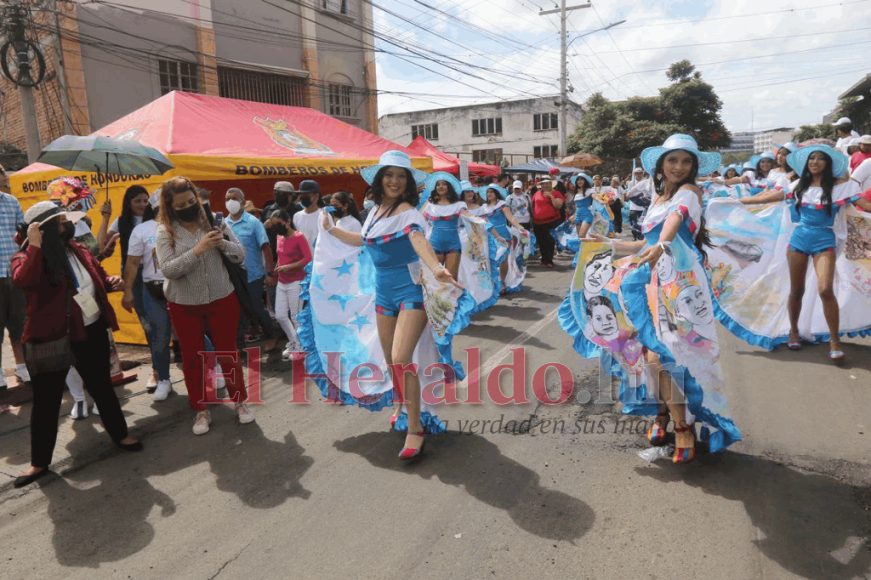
(674, 324)
(443, 209)
(394, 236)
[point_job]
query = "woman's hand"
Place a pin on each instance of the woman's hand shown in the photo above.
(127, 302)
(115, 283)
(593, 237)
(34, 236)
(106, 208)
(442, 275)
(109, 248)
(650, 255)
(326, 221)
(208, 241)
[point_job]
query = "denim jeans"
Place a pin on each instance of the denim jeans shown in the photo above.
(261, 315)
(158, 329)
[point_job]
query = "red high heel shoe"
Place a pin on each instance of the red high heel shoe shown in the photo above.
(393, 419)
(685, 454)
(657, 434)
(410, 453)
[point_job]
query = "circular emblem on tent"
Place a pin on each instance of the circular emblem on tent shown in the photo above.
(286, 135)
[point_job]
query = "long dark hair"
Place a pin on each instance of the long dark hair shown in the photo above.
(453, 197)
(827, 182)
(582, 188)
(125, 222)
(54, 253)
(787, 167)
(347, 198)
(702, 237)
(410, 196)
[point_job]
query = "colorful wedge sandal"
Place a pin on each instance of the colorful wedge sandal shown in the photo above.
(685, 454)
(657, 433)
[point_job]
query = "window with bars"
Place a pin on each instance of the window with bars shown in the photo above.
(545, 122)
(339, 101)
(487, 126)
(545, 151)
(428, 132)
(261, 87)
(177, 76)
(337, 6)
(488, 156)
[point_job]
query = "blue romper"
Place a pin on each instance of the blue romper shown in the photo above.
(387, 243)
(497, 218)
(445, 222)
(815, 232)
(583, 214)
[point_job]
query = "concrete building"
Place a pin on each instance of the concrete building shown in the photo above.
(740, 142)
(118, 57)
(515, 131)
(764, 140)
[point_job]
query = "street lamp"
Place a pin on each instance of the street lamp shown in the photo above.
(612, 25)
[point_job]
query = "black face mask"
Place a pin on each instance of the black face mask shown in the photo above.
(281, 199)
(277, 230)
(68, 230)
(306, 201)
(188, 214)
(338, 213)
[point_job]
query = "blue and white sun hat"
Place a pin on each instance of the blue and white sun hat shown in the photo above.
(798, 159)
(748, 166)
(393, 158)
(482, 191)
(757, 158)
(789, 145)
(433, 178)
(708, 162)
(466, 185)
(583, 176)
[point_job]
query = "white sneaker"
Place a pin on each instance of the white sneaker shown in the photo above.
(202, 422)
(164, 388)
(244, 413)
(291, 348)
(94, 410)
(219, 380)
(80, 410)
(22, 374)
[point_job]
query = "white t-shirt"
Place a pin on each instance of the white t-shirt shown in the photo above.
(350, 224)
(307, 223)
(113, 227)
(85, 284)
(141, 245)
(840, 145)
(863, 174)
(519, 205)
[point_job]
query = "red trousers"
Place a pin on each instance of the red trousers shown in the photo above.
(218, 319)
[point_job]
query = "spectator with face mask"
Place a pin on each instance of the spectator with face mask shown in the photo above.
(284, 199)
(66, 291)
(252, 235)
(368, 204)
(307, 221)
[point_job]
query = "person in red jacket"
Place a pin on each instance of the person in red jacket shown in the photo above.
(546, 205)
(66, 291)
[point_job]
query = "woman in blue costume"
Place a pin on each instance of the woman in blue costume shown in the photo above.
(658, 304)
(443, 209)
(583, 202)
(496, 211)
(817, 234)
(393, 236)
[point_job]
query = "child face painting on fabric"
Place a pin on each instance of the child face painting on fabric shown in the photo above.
(607, 330)
(690, 310)
(598, 272)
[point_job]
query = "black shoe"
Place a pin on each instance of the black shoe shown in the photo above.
(130, 446)
(23, 480)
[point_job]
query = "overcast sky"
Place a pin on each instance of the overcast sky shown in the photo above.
(774, 64)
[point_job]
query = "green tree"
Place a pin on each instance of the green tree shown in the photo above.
(615, 131)
(821, 131)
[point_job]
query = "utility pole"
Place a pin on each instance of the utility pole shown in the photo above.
(563, 75)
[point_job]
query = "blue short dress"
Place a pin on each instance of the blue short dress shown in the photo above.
(583, 203)
(815, 233)
(445, 222)
(494, 214)
(397, 265)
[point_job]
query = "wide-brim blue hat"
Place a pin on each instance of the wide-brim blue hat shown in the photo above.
(748, 165)
(433, 178)
(798, 159)
(708, 162)
(757, 158)
(583, 176)
(482, 191)
(789, 145)
(466, 185)
(393, 158)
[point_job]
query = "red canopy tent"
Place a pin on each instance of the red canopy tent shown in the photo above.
(441, 161)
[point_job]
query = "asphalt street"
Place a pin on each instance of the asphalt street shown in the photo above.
(525, 490)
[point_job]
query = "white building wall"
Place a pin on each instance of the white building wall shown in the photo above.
(518, 136)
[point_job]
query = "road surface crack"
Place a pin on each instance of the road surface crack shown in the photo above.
(228, 562)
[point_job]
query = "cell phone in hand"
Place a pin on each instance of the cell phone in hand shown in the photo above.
(219, 219)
